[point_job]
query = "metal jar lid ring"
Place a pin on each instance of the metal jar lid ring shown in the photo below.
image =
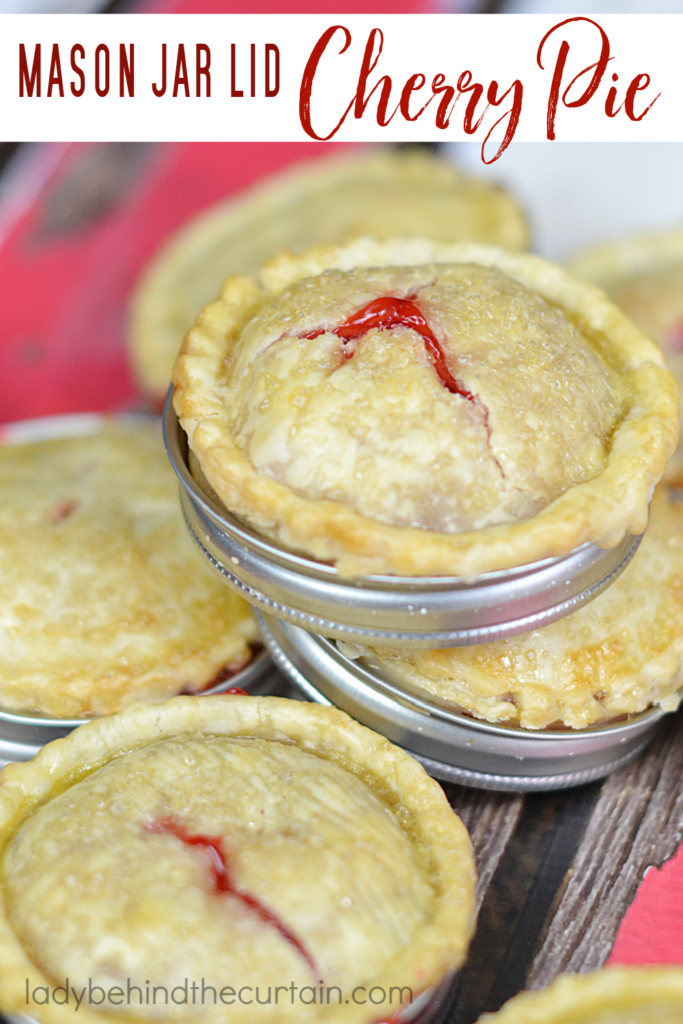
(453, 746)
(395, 611)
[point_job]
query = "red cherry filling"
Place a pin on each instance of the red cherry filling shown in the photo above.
(236, 690)
(223, 884)
(382, 315)
(62, 511)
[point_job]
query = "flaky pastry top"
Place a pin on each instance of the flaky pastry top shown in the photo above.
(616, 656)
(104, 599)
(413, 408)
(237, 843)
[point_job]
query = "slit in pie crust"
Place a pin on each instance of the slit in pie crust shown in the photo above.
(104, 598)
(497, 413)
(242, 841)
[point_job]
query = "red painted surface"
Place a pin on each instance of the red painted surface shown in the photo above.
(65, 292)
(651, 931)
(65, 289)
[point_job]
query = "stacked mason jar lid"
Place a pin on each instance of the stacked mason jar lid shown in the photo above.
(315, 622)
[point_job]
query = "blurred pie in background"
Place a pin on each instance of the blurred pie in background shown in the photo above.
(644, 276)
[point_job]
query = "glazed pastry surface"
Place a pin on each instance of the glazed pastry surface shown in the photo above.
(618, 655)
(104, 599)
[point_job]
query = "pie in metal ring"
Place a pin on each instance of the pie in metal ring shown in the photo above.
(413, 408)
(618, 655)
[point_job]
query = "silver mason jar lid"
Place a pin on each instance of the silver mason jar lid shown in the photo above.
(453, 746)
(395, 611)
(23, 735)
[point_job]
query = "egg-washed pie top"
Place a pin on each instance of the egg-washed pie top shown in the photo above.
(613, 995)
(618, 655)
(239, 843)
(103, 598)
(412, 408)
(382, 193)
(644, 276)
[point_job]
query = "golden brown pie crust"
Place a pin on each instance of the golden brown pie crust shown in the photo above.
(613, 995)
(105, 599)
(616, 656)
(404, 796)
(381, 192)
(611, 500)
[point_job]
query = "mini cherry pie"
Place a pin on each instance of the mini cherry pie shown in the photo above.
(236, 844)
(414, 408)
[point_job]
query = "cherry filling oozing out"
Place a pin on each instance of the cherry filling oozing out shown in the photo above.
(223, 884)
(385, 313)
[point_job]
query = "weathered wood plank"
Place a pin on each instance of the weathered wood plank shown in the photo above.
(637, 823)
(518, 898)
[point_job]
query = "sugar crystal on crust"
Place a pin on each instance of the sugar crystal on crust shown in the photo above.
(372, 425)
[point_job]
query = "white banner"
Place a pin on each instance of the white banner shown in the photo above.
(388, 78)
